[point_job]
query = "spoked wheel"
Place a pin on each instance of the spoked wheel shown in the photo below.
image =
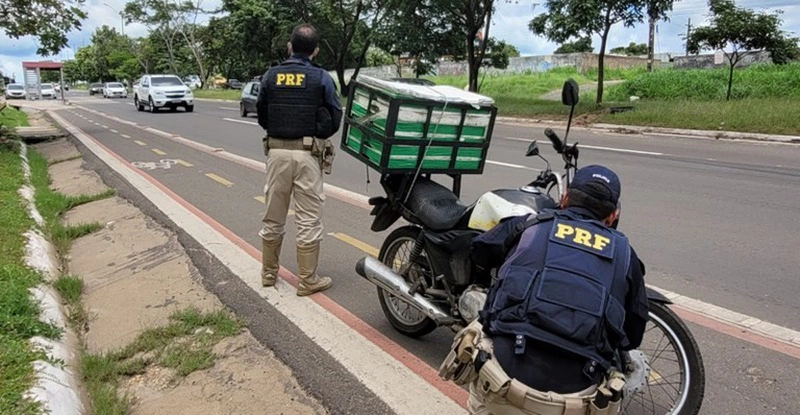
(675, 384)
(396, 253)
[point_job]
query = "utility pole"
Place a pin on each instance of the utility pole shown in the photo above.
(688, 32)
(651, 45)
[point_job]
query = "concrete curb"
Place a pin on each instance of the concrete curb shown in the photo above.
(659, 131)
(56, 384)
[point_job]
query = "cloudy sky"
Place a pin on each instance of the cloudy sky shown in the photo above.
(510, 24)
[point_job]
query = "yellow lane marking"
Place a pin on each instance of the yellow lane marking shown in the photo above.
(140, 143)
(125, 136)
(263, 199)
(159, 152)
(114, 131)
(183, 163)
(219, 180)
(363, 246)
(655, 378)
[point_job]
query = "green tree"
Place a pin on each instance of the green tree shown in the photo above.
(472, 18)
(582, 45)
(738, 32)
(565, 19)
(48, 20)
(786, 51)
(346, 29)
(161, 17)
(633, 49)
(378, 57)
(419, 31)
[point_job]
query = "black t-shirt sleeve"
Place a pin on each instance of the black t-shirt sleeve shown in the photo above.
(636, 306)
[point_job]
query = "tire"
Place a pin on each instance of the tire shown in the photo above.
(387, 255)
(242, 110)
(190, 108)
(153, 108)
(137, 104)
(688, 358)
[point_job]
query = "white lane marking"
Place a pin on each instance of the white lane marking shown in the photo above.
(229, 108)
(513, 166)
(125, 136)
(779, 333)
(114, 131)
(619, 150)
(375, 368)
(242, 121)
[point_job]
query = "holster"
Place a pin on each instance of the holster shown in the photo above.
(459, 365)
(325, 152)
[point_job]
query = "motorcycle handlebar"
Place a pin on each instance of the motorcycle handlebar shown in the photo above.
(558, 145)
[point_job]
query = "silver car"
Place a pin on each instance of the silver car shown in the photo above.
(15, 91)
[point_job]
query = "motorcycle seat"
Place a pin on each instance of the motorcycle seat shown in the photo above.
(436, 206)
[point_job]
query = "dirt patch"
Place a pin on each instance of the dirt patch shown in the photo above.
(136, 275)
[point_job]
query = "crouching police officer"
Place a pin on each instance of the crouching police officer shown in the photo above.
(569, 296)
(299, 108)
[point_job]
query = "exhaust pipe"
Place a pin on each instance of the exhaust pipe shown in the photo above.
(384, 277)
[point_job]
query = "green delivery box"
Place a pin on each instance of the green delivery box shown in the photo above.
(393, 127)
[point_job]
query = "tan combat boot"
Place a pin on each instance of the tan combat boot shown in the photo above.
(270, 253)
(310, 282)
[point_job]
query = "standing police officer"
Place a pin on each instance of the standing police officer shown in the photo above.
(299, 108)
(569, 295)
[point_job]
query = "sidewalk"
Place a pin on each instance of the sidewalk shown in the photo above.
(139, 286)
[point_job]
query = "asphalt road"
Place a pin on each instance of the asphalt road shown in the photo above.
(717, 221)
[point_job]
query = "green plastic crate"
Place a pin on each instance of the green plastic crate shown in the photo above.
(393, 133)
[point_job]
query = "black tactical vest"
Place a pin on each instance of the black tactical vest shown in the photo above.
(564, 284)
(295, 93)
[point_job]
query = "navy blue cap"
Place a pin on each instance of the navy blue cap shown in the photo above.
(598, 182)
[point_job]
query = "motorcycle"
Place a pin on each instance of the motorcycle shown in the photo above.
(425, 278)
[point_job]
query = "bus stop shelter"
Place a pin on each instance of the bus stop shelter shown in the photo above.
(32, 75)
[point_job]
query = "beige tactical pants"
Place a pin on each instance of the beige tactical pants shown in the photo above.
(293, 173)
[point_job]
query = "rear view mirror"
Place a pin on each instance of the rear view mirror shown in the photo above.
(533, 150)
(570, 94)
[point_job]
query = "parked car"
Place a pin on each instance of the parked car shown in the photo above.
(114, 89)
(48, 91)
(234, 84)
(14, 91)
(162, 91)
(95, 88)
(249, 97)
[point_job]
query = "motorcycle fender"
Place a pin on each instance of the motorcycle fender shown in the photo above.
(656, 296)
(385, 216)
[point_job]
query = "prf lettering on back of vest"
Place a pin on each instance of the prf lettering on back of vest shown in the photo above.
(290, 79)
(581, 236)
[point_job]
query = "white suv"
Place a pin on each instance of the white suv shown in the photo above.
(162, 91)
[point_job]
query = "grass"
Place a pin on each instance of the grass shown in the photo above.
(52, 205)
(231, 94)
(755, 82)
(11, 117)
(766, 116)
(18, 311)
(70, 288)
(185, 344)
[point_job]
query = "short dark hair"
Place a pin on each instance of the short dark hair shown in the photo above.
(304, 39)
(600, 208)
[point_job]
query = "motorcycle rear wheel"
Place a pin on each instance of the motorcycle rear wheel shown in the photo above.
(676, 384)
(395, 254)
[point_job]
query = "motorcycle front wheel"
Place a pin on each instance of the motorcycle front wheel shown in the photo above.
(396, 254)
(676, 381)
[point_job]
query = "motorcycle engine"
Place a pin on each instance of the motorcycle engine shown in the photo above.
(471, 302)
